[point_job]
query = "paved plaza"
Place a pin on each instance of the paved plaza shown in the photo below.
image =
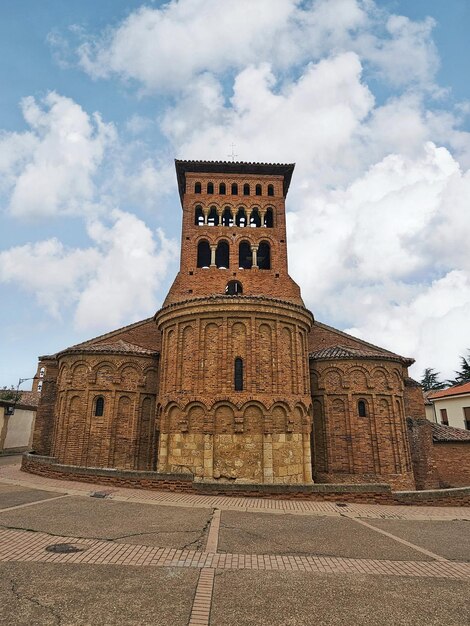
(73, 553)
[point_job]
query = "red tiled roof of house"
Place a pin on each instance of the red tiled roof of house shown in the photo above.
(113, 347)
(456, 390)
(346, 352)
(449, 433)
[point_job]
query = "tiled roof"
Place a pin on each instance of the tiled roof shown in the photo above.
(449, 433)
(115, 347)
(426, 395)
(365, 345)
(456, 390)
(346, 352)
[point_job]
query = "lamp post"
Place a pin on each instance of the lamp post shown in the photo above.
(11, 408)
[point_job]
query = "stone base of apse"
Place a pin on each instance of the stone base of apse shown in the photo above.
(238, 458)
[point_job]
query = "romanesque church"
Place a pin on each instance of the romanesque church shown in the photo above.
(233, 379)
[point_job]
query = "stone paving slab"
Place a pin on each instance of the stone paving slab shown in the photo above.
(317, 536)
(450, 538)
(47, 594)
(128, 522)
(14, 495)
(244, 598)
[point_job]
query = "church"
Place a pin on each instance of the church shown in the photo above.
(233, 380)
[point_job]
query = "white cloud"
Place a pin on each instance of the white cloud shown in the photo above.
(113, 281)
(50, 169)
(167, 47)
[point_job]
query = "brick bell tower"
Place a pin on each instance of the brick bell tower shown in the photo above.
(234, 397)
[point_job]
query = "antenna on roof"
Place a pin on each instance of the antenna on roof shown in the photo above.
(232, 155)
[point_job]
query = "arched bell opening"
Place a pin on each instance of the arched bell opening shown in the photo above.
(264, 256)
(203, 254)
(245, 256)
(222, 255)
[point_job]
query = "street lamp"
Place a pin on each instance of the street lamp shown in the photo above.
(11, 408)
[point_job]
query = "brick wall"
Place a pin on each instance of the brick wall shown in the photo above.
(44, 423)
(452, 461)
(349, 447)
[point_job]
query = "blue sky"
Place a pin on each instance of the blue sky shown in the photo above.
(371, 100)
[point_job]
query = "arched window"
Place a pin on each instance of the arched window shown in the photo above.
(270, 190)
(222, 255)
(245, 257)
(361, 408)
(246, 189)
(213, 218)
(264, 256)
(42, 372)
(40, 385)
(198, 216)
(240, 219)
(99, 406)
(258, 190)
(234, 288)
(234, 189)
(203, 254)
(269, 218)
(255, 219)
(238, 374)
(210, 188)
(227, 219)
(197, 188)
(222, 189)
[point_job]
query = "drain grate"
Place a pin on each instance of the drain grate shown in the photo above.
(63, 548)
(99, 494)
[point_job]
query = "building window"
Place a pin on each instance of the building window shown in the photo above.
(210, 188)
(227, 219)
(245, 256)
(270, 190)
(258, 190)
(361, 408)
(213, 218)
(268, 218)
(198, 216)
(42, 372)
(197, 188)
(255, 219)
(234, 288)
(444, 419)
(264, 256)
(203, 254)
(222, 255)
(466, 414)
(222, 189)
(40, 385)
(234, 189)
(246, 189)
(240, 219)
(238, 374)
(99, 406)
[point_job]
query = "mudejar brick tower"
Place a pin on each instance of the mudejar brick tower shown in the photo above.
(234, 398)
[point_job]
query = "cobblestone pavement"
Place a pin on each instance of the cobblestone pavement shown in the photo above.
(267, 534)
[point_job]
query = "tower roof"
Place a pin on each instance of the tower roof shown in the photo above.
(232, 167)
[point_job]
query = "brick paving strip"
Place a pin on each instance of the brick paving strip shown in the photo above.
(11, 475)
(21, 546)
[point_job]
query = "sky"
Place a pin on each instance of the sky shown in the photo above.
(371, 100)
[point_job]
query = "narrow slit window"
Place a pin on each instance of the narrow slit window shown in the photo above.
(246, 189)
(210, 188)
(361, 408)
(99, 406)
(238, 374)
(234, 189)
(197, 188)
(258, 190)
(222, 189)
(270, 190)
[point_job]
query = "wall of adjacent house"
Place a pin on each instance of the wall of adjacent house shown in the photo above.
(455, 409)
(430, 415)
(16, 430)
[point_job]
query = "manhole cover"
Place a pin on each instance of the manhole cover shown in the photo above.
(63, 548)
